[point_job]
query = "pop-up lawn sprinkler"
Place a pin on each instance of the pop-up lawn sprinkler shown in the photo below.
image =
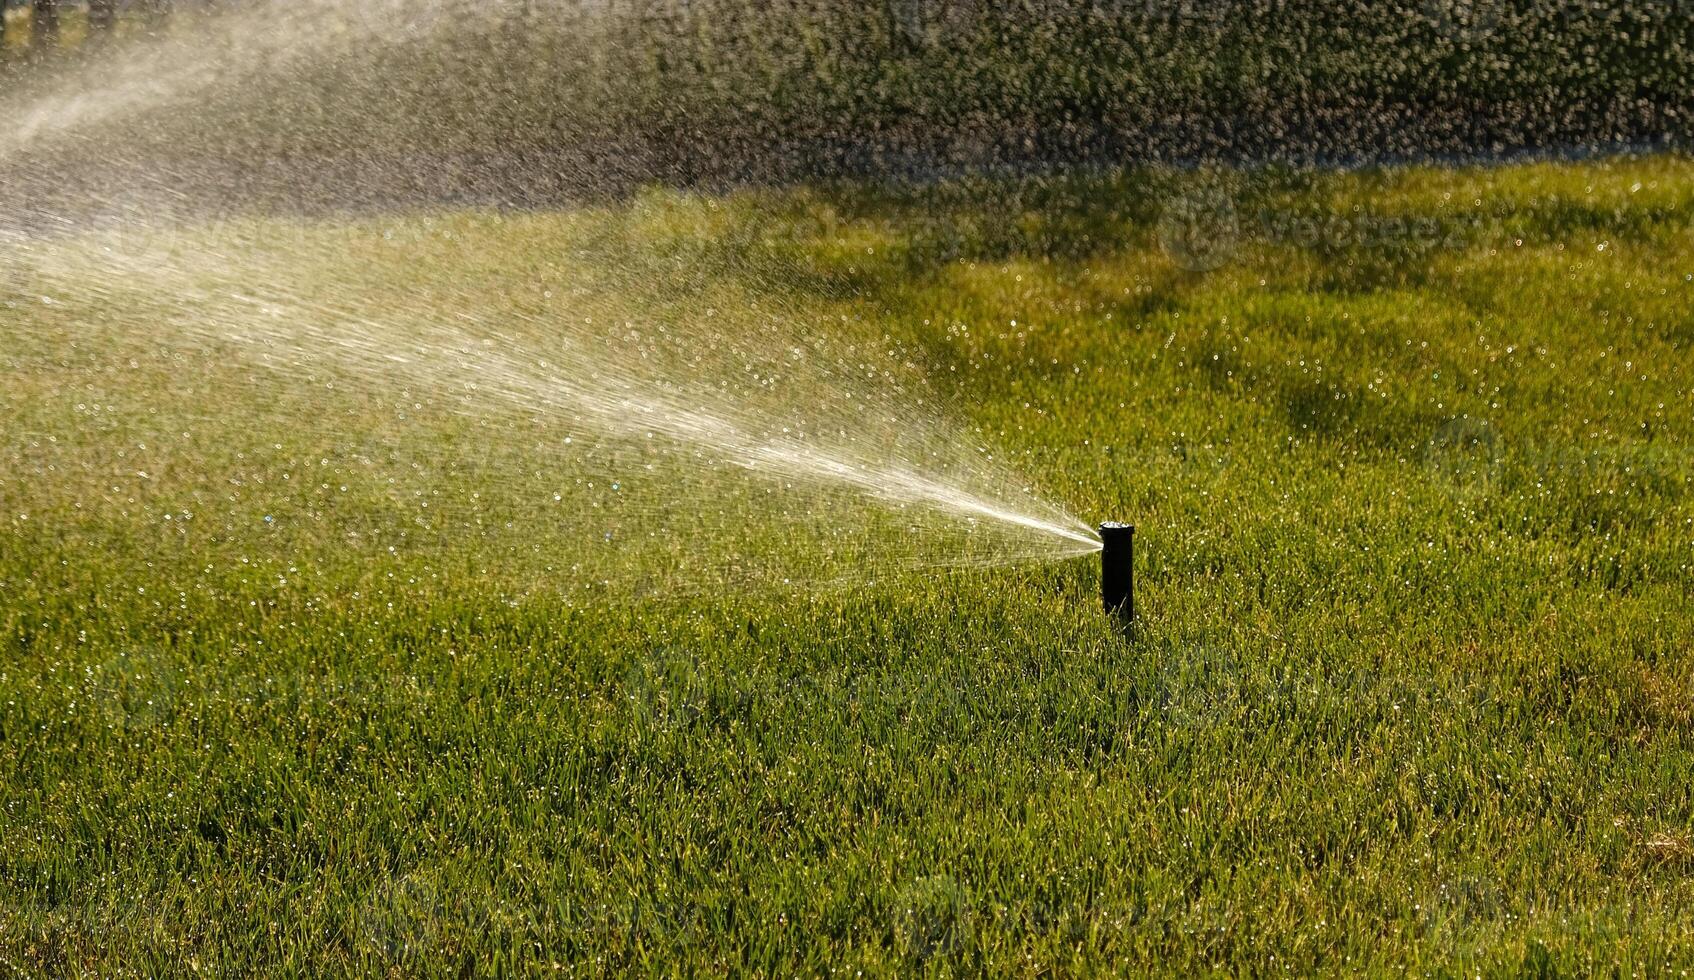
(1117, 569)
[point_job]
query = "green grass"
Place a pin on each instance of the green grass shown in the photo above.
(1411, 690)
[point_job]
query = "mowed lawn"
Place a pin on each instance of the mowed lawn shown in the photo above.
(1409, 453)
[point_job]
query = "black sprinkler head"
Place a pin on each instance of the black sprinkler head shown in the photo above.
(1117, 569)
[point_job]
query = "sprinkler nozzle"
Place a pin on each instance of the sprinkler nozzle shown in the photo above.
(1117, 569)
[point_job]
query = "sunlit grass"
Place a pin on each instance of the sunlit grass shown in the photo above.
(1411, 690)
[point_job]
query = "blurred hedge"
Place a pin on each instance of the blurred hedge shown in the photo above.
(531, 101)
(906, 84)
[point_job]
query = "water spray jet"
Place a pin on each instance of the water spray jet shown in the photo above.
(1117, 569)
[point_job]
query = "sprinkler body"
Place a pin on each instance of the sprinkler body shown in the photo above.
(1117, 569)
